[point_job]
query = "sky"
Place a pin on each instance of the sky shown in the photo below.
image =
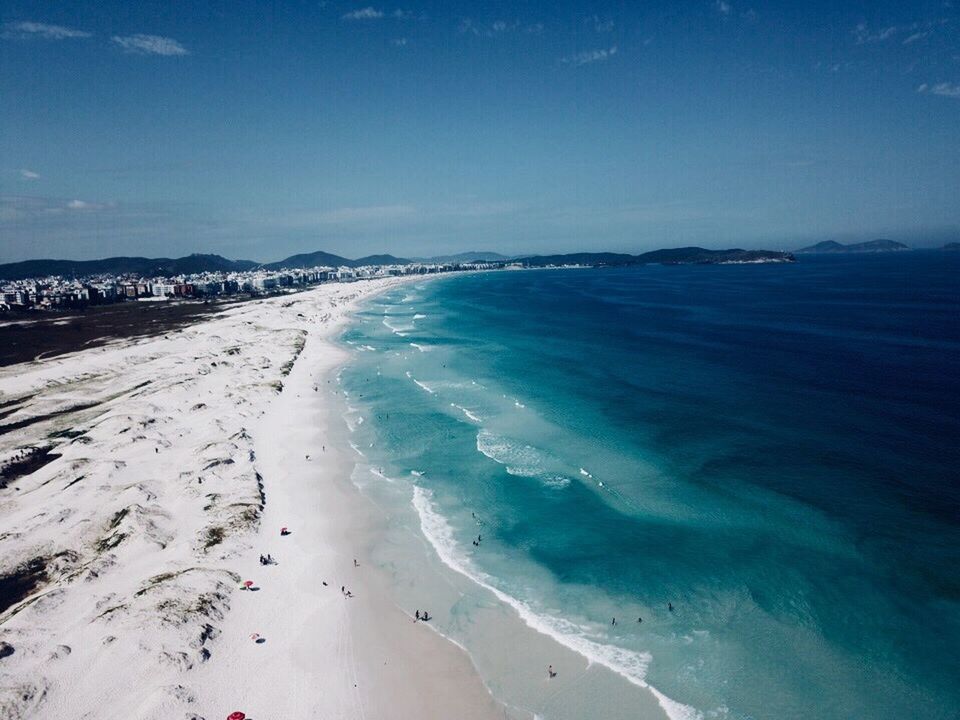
(257, 130)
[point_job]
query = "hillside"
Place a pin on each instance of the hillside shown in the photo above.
(123, 265)
(671, 256)
(873, 246)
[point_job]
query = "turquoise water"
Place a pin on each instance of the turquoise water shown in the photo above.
(770, 449)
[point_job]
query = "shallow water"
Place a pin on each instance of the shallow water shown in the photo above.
(770, 449)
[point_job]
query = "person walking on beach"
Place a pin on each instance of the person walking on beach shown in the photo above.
(613, 622)
(551, 672)
(418, 615)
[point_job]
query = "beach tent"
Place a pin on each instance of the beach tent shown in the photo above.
(236, 716)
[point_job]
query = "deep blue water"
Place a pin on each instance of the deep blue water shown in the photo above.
(772, 449)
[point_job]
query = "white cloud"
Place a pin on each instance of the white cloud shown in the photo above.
(590, 56)
(915, 37)
(29, 174)
(497, 27)
(602, 25)
(26, 30)
(150, 45)
(863, 34)
(722, 7)
(945, 89)
(367, 13)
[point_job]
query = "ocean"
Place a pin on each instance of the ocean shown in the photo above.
(772, 451)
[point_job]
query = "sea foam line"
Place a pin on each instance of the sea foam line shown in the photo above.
(519, 460)
(630, 665)
(465, 411)
(424, 386)
(400, 331)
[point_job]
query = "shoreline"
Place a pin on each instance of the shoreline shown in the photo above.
(176, 458)
(507, 641)
(386, 666)
(169, 513)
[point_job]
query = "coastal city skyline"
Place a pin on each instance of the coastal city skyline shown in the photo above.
(259, 131)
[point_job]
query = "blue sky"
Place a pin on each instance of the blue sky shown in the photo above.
(257, 130)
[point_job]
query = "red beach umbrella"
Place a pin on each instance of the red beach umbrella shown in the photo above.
(236, 716)
(248, 584)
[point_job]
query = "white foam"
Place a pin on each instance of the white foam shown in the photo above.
(357, 450)
(377, 473)
(400, 331)
(426, 387)
(519, 460)
(585, 473)
(468, 413)
(418, 316)
(421, 348)
(416, 473)
(628, 664)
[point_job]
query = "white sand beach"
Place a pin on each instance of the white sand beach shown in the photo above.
(177, 459)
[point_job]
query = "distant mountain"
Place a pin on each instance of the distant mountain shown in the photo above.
(309, 260)
(198, 263)
(123, 265)
(952, 246)
(672, 256)
(873, 246)
(320, 258)
(378, 260)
